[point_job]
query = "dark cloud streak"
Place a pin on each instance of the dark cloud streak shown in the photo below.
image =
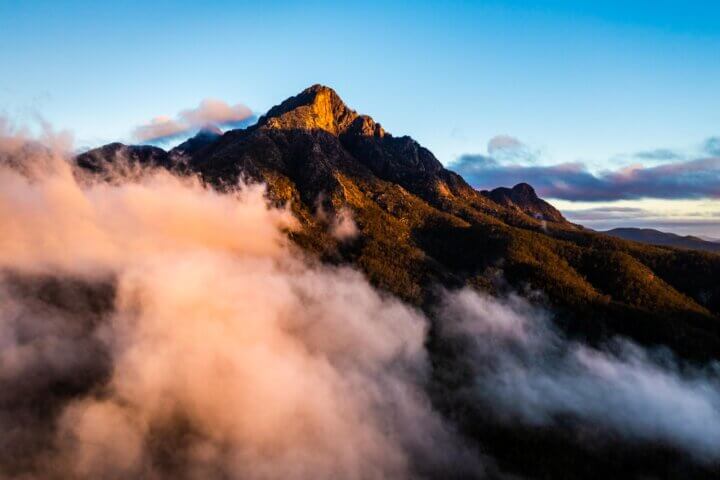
(659, 154)
(699, 178)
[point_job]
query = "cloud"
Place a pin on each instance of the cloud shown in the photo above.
(525, 371)
(340, 223)
(343, 227)
(681, 216)
(158, 128)
(503, 142)
(607, 213)
(152, 327)
(509, 149)
(712, 146)
(209, 112)
(215, 111)
(699, 178)
(659, 154)
(608, 217)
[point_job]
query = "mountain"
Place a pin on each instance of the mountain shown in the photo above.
(421, 226)
(656, 237)
(98, 159)
(523, 198)
(204, 137)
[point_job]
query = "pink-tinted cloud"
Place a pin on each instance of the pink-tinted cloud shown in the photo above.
(209, 111)
(221, 350)
(159, 127)
(215, 111)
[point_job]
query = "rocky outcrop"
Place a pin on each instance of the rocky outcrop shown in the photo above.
(522, 197)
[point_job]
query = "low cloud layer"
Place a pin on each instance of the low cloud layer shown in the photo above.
(209, 112)
(698, 178)
(608, 213)
(526, 372)
(686, 217)
(155, 328)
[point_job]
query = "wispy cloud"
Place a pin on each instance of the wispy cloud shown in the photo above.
(503, 142)
(607, 213)
(209, 111)
(660, 154)
(526, 371)
(712, 146)
(507, 148)
(684, 217)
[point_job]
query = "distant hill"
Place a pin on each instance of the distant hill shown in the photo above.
(709, 239)
(656, 237)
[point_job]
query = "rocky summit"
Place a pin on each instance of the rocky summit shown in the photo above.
(523, 198)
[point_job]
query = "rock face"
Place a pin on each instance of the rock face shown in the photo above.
(314, 137)
(523, 198)
(317, 107)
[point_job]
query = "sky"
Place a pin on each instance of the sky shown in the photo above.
(612, 98)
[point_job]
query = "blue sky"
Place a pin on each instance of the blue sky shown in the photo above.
(573, 81)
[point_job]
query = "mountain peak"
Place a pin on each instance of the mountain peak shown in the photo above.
(523, 198)
(319, 107)
(525, 189)
(209, 129)
(204, 137)
(318, 87)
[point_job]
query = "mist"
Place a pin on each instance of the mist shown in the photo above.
(217, 350)
(527, 372)
(153, 327)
